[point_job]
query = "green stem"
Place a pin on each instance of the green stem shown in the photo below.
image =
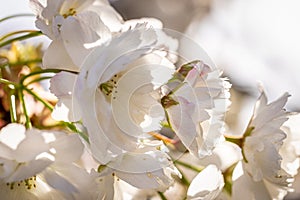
(248, 131)
(21, 97)
(228, 179)
(46, 104)
(27, 62)
(23, 37)
(15, 33)
(189, 166)
(12, 105)
(183, 179)
(7, 82)
(39, 72)
(240, 141)
(237, 141)
(17, 15)
(56, 125)
(69, 125)
(73, 128)
(38, 80)
(12, 98)
(162, 196)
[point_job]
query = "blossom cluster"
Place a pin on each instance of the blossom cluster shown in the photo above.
(135, 103)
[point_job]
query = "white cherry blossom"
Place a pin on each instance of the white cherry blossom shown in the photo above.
(109, 84)
(264, 175)
(195, 102)
(39, 164)
(119, 105)
(74, 28)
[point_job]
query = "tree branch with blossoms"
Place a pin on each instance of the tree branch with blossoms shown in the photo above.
(118, 109)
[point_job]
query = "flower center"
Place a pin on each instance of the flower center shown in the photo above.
(111, 85)
(70, 12)
(29, 183)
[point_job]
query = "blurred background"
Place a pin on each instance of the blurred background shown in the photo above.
(253, 42)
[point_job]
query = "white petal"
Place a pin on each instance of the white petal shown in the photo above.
(31, 146)
(6, 152)
(110, 17)
(78, 31)
(107, 185)
(44, 27)
(134, 97)
(88, 185)
(68, 147)
(207, 185)
(7, 168)
(62, 85)
(17, 193)
(149, 22)
(290, 150)
(114, 56)
(245, 188)
(224, 155)
(61, 111)
(57, 57)
(200, 97)
(151, 180)
(57, 181)
(12, 135)
(266, 112)
(52, 8)
(146, 169)
(106, 138)
(29, 169)
(78, 5)
(36, 6)
(180, 119)
(275, 191)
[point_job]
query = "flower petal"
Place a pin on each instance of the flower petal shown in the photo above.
(68, 147)
(7, 168)
(57, 181)
(263, 142)
(62, 85)
(245, 188)
(56, 57)
(110, 17)
(182, 123)
(29, 169)
(80, 31)
(12, 134)
(31, 146)
(265, 113)
(207, 185)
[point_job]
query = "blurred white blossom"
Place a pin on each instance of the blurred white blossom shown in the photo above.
(253, 41)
